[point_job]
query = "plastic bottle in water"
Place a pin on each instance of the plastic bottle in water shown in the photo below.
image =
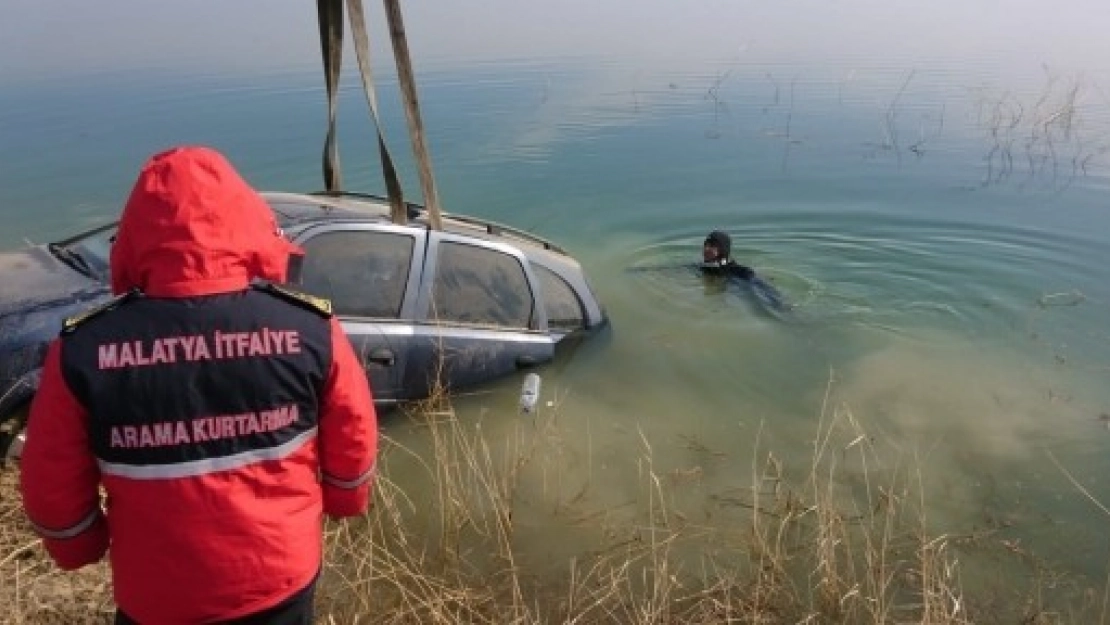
(530, 393)
(15, 449)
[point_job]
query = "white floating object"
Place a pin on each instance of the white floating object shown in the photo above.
(15, 449)
(530, 393)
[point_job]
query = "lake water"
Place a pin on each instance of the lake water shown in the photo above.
(940, 225)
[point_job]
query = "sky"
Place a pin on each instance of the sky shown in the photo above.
(59, 37)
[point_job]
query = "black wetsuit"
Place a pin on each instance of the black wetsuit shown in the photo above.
(728, 268)
(724, 266)
(767, 294)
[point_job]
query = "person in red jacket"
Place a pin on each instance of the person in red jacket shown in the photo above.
(221, 413)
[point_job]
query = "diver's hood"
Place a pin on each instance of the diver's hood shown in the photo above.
(723, 243)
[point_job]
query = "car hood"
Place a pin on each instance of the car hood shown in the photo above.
(33, 280)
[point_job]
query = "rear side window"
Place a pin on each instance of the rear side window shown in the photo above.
(476, 285)
(363, 273)
(564, 309)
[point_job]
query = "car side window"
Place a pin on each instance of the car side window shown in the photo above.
(564, 309)
(363, 273)
(476, 285)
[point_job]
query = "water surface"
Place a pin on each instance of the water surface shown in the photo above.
(940, 226)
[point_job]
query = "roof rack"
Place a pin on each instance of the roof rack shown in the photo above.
(413, 210)
(491, 227)
(495, 228)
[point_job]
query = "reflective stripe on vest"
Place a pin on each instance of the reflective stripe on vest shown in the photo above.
(208, 465)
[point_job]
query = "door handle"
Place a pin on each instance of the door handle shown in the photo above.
(382, 356)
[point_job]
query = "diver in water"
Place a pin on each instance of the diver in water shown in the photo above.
(716, 261)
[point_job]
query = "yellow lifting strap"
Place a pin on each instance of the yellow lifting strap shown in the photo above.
(330, 14)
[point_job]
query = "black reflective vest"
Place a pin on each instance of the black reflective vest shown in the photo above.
(185, 387)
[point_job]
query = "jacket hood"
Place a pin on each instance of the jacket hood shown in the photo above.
(722, 242)
(192, 226)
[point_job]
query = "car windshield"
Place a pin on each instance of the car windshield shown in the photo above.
(88, 252)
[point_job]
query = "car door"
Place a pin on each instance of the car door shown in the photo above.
(479, 317)
(370, 272)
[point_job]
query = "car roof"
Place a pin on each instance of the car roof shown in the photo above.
(298, 210)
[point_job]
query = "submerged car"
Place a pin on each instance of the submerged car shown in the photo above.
(424, 309)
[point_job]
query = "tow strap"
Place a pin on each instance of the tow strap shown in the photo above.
(331, 40)
(330, 14)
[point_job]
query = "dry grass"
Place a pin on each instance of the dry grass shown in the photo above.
(848, 542)
(33, 590)
(820, 553)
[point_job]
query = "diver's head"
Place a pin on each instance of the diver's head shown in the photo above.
(716, 248)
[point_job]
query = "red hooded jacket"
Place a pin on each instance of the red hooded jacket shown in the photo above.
(217, 464)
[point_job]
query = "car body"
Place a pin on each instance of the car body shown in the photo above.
(425, 309)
